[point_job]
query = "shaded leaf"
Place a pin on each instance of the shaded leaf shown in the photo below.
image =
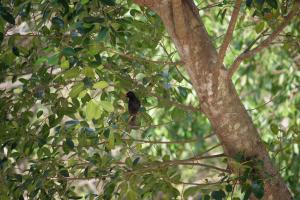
(272, 3)
(108, 2)
(7, 16)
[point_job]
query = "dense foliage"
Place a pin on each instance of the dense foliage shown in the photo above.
(66, 66)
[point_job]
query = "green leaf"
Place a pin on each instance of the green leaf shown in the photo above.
(70, 143)
(64, 172)
(39, 113)
(89, 72)
(100, 85)
(272, 3)
(131, 195)
(65, 4)
(108, 2)
(1, 37)
(228, 188)
(53, 60)
(191, 191)
(68, 51)
(64, 63)
(58, 22)
(258, 189)
(147, 117)
(92, 110)
(128, 162)
(206, 197)
(249, 3)
(106, 105)
(40, 60)
(90, 20)
(274, 129)
(218, 195)
(72, 73)
(16, 51)
(260, 2)
(7, 16)
(102, 34)
(76, 89)
(84, 1)
(247, 190)
(259, 27)
(135, 161)
(111, 140)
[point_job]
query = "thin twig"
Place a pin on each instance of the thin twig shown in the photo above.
(264, 44)
(170, 58)
(256, 39)
(229, 33)
(178, 105)
(132, 57)
(77, 178)
(196, 184)
(163, 142)
(205, 165)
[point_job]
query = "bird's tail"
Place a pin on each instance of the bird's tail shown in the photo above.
(132, 122)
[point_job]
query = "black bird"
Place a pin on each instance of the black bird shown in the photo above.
(134, 105)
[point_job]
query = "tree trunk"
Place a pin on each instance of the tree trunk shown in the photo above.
(219, 99)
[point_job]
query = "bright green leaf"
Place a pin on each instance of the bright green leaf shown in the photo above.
(84, 1)
(111, 140)
(72, 73)
(76, 89)
(259, 27)
(100, 85)
(106, 105)
(64, 63)
(91, 110)
(89, 72)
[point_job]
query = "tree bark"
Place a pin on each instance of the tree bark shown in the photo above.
(218, 97)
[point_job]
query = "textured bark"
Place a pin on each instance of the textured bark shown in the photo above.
(219, 99)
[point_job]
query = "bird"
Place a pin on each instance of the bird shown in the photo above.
(134, 105)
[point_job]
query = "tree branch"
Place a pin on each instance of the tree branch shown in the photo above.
(264, 44)
(193, 140)
(178, 105)
(229, 33)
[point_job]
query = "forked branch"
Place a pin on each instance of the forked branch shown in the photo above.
(229, 32)
(264, 44)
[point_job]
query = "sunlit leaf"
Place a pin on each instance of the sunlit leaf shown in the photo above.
(100, 85)
(76, 89)
(106, 105)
